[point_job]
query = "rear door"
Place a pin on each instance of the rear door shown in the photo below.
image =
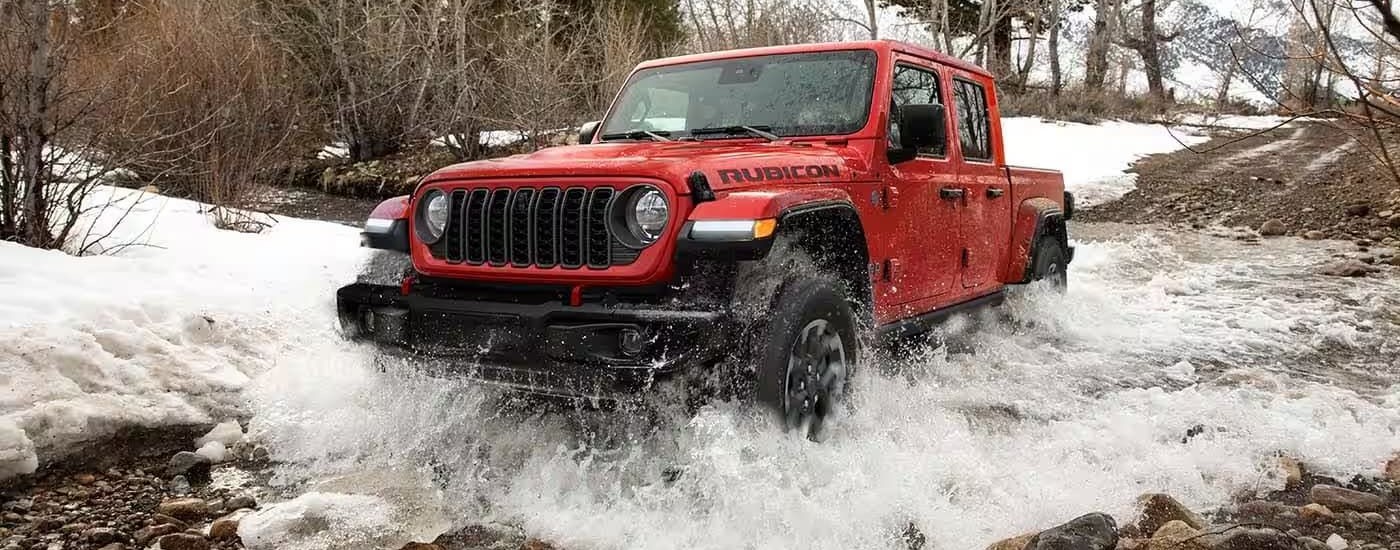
(927, 235)
(987, 200)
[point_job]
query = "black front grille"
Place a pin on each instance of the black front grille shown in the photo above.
(541, 227)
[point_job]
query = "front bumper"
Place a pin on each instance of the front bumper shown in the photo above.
(595, 350)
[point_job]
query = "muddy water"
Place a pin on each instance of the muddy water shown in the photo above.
(1077, 403)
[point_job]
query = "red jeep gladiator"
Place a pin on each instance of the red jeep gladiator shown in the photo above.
(752, 213)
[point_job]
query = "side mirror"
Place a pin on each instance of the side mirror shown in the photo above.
(920, 125)
(586, 132)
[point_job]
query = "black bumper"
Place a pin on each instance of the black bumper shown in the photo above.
(546, 347)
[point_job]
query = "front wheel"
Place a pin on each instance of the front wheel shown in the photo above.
(807, 353)
(1051, 263)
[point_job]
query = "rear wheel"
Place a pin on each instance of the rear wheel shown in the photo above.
(806, 354)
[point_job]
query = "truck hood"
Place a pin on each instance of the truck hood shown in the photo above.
(728, 164)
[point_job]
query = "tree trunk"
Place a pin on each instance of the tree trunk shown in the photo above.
(34, 138)
(1023, 74)
(873, 23)
(1057, 81)
(1096, 62)
(1149, 47)
(1000, 58)
(1222, 97)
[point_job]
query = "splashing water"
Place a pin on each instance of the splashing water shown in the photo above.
(1080, 403)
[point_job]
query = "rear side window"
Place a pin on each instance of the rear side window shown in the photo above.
(974, 128)
(914, 85)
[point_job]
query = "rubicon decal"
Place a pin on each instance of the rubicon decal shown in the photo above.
(770, 173)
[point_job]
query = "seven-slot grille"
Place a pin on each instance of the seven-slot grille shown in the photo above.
(532, 227)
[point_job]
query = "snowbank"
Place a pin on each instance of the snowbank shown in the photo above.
(1092, 157)
(164, 333)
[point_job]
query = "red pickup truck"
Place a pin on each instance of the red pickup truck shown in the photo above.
(747, 217)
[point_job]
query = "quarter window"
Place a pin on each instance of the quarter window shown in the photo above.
(974, 129)
(913, 85)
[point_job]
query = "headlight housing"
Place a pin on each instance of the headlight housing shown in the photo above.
(432, 216)
(641, 216)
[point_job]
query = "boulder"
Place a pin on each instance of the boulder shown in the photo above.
(1159, 509)
(225, 528)
(1337, 498)
(536, 544)
(1177, 534)
(1393, 221)
(1013, 543)
(1392, 468)
(1314, 235)
(145, 535)
(1095, 531)
(194, 467)
(1358, 209)
(1336, 542)
(186, 509)
(101, 535)
(1273, 228)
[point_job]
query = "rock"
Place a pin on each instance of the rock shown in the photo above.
(150, 189)
(1273, 228)
(536, 544)
(225, 528)
(1013, 543)
(1315, 513)
(1347, 268)
(187, 509)
(1314, 235)
(183, 541)
(1392, 467)
(85, 479)
(145, 535)
(1358, 209)
(1160, 509)
(421, 546)
(1247, 538)
(1095, 531)
(1292, 471)
(162, 519)
(194, 467)
(240, 502)
(1393, 222)
(114, 546)
(1336, 542)
(179, 486)
(101, 535)
(1338, 498)
(1385, 214)
(1395, 262)
(328, 178)
(1176, 534)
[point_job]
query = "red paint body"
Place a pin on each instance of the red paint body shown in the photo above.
(914, 235)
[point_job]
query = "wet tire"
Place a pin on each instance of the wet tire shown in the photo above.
(385, 267)
(805, 354)
(1051, 263)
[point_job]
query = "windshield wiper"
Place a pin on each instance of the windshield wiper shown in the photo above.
(760, 131)
(639, 134)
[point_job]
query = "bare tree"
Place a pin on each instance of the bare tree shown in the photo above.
(727, 24)
(1100, 40)
(1147, 42)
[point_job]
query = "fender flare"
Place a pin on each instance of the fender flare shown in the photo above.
(1035, 218)
(388, 226)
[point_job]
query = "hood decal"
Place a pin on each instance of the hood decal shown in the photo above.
(773, 173)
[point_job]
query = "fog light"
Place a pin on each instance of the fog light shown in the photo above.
(630, 342)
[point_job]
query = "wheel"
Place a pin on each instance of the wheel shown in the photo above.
(1051, 263)
(807, 353)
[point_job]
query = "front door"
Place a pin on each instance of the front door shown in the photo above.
(925, 265)
(987, 205)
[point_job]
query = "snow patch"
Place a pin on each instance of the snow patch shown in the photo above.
(226, 433)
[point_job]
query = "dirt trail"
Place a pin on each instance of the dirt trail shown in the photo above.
(1309, 176)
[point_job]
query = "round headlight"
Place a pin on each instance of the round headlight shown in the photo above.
(433, 219)
(647, 215)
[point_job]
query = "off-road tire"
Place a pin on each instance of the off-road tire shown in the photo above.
(818, 307)
(1051, 263)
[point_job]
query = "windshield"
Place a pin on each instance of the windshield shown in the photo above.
(788, 95)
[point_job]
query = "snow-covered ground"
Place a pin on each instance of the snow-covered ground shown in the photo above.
(162, 333)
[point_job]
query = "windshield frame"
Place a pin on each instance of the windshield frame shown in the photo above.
(868, 114)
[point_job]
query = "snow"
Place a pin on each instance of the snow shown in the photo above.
(225, 433)
(163, 333)
(1092, 157)
(314, 521)
(214, 451)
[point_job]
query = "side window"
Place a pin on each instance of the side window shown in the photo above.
(974, 130)
(913, 85)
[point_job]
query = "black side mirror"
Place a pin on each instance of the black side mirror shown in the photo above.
(586, 132)
(920, 125)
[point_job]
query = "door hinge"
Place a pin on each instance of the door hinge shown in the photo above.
(891, 197)
(966, 257)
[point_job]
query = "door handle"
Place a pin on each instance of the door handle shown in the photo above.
(951, 193)
(994, 192)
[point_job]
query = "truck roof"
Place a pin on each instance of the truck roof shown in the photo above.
(881, 46)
